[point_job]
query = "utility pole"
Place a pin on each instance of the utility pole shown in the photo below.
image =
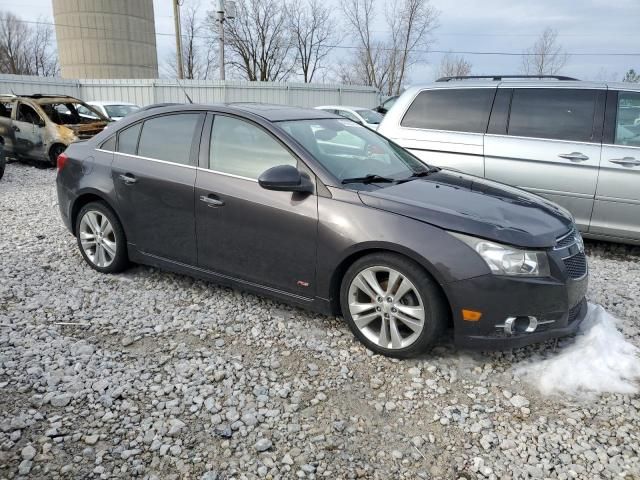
(176, 18)
(226, 10)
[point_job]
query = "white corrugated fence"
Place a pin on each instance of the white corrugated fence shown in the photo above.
(146, 92)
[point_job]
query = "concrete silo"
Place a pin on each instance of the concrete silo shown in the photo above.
(106, 38)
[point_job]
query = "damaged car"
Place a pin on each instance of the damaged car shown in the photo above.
(40, 127)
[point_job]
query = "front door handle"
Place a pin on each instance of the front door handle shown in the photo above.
(128, 178)
(211, 200)
(574, 156)
(626, 161)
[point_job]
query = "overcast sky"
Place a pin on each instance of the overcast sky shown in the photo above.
(587, 26)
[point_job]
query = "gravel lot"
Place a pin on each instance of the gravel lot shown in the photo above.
(157, 375)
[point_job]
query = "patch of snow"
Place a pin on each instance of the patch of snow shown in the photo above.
(598, 360)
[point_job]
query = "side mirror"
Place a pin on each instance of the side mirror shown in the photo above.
(285, 178)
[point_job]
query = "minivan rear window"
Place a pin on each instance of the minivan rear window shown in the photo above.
(553, 113)
(458, 110)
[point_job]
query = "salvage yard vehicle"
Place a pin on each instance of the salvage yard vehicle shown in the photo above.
(576, 143)
(40, 127)
(363, 116)
(260, 197)
(111, 109)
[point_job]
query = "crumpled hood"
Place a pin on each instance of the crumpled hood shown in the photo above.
(86, 130)
(475, 206)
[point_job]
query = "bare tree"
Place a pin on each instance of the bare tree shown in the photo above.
(312, 31)
(384, 64)
(545, 56)
(631, 76)
(198, 55)
(259, 40)
(454, 66)
(26, 49)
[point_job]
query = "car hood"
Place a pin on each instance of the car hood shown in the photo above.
(87, 130)
(475, 206)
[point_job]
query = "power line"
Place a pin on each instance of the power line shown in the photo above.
(355, 47)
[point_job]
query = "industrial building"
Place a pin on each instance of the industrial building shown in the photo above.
(106, 38)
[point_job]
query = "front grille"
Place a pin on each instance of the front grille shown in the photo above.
(576, 266)
(566, 240)
(574, 312)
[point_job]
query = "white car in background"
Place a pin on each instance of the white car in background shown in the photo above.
(112, 110)
(363, 116)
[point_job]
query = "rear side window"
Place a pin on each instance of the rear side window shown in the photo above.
(169, 137)
(109, 145)
(459, 110)
(128, 139)
(560, 114)
(628, 119)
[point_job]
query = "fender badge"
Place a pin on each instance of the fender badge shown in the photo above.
(301, 283)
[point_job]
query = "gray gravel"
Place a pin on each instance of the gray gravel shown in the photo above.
(157, 375)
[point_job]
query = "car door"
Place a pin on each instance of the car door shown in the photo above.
(28, 130)
(6, 127)
(445, 127)
(154, 175)
(548, 143)
(244, 231)
(616, 211)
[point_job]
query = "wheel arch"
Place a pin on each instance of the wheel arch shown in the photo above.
(83, 199)
(368, 249)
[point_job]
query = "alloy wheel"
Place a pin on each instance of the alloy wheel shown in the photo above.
(386, 307)
(97, 238)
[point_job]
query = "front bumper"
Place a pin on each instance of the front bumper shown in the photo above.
(559, 306)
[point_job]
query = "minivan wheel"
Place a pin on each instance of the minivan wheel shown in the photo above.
(54, 152)
(101, 238)
(392, 305)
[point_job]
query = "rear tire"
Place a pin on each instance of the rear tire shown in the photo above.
(392, 305)
(101, 238)
(54, 152)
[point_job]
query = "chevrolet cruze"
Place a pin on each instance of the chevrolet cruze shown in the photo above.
(318, 211)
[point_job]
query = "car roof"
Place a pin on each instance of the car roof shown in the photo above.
(109, 102)
(344, 107)
(278, 113)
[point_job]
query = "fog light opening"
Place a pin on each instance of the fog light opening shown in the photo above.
(521, 324)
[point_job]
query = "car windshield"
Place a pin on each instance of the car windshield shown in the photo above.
(370, 116)
(120, 110)
(351, 151)
(71, 113)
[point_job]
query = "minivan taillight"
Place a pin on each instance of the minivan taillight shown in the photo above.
(62, 160)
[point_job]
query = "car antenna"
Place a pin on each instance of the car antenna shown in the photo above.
(184, 91)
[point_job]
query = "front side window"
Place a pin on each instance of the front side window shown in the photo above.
(128, 139)
(169, 137)
(457, 110)
(348, 150)
(243, 149)
(5, 109)
(628, 119)
(28, 114)
(553, 113)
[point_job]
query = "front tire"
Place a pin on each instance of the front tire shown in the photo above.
(101, 238)
(392, 305)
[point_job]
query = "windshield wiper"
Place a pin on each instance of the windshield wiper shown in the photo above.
(421, 173)
(370, 178)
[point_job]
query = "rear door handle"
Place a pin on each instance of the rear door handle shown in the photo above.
(211, 200)
(128, 178)
(626, 161)
(574, 156)
(16, 128)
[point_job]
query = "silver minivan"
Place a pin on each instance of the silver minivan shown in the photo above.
(576, 143)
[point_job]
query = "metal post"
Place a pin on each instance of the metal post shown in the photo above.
(176, 18)
(221, 43)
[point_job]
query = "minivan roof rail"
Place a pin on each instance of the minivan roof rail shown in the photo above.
(502, 77)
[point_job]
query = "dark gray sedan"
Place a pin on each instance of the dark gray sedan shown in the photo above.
(320, 212)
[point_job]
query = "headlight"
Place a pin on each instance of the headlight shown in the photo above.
(508, 260)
